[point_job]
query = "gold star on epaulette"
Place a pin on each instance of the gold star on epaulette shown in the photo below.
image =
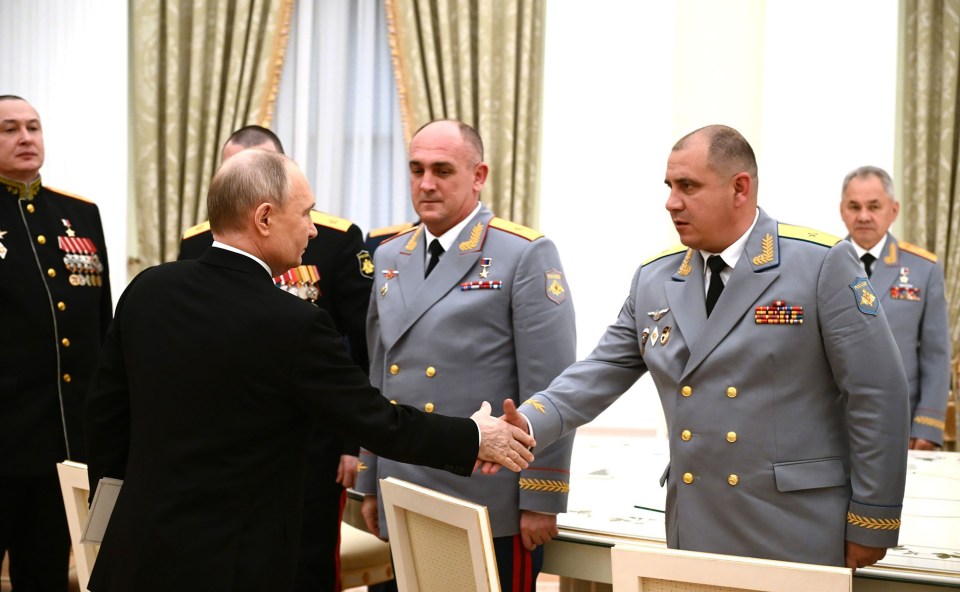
(536, 405)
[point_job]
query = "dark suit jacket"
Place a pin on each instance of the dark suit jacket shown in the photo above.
(210, 382)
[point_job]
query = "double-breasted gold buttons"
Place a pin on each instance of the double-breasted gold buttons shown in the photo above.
(685, 435)
(394, 369)
(733, 480)
(428, 407)
(731, 392)
(731, 437)
(431, 372)
(41, 240)
(688, 478)
(686, 391)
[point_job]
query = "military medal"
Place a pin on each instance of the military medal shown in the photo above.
(778, 314)
(80, 258)
(643, 340)
(388, 274)
(654, 336)
(656, 315)
(665, 336)
(488, 285)
(485, 264)
(904, 290)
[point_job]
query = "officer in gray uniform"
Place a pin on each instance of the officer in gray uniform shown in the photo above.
(786, 405)
(909, 282)
(492, 319)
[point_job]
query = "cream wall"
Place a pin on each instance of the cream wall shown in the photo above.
(811, 85)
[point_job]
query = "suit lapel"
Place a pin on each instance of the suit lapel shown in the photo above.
(740, 294)
(886, 270)
(420, 295)
(686, 297)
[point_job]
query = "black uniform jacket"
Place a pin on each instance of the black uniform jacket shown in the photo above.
(55, 290)
(210, 382)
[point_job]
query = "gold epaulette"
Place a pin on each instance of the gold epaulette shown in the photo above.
(195, 230)
(68, 194)
(395, 229)
(401, 233)
(514, 228)
(807, 234)
(918, 251)
(330, 221)
(677, 248)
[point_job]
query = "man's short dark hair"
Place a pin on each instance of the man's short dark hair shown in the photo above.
(249, 136)
(467, 132)
(728, 149)
(12, 98)
(242, 184)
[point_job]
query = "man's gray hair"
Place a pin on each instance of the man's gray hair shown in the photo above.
(245, 181)
(869, 171)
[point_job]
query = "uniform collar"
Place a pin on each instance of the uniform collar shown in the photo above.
(21, 190)
(876, 251)
(449, 237)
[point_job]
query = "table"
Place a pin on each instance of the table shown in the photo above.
(615, 496)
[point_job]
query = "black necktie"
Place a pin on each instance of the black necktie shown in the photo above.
(436, 250)
(716, 265)
(868, 260)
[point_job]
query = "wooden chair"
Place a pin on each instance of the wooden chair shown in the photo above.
(654, 569)
(438, 542)
(75, 489)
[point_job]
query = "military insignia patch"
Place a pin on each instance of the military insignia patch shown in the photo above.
(366, 264)
(556, 291)
(536, 405)
(864, 296)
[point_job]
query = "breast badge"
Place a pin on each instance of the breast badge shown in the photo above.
(656, 315)
(302, 281)
(388, 274)
(904, 290)
(80, 258)
(778, 313)
(864, 296)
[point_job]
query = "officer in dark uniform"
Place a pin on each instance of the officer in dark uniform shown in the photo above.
(55, 290)
(336, 275)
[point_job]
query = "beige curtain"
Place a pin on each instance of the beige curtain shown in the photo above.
(480, 61)
(931, 138)
(199, 70)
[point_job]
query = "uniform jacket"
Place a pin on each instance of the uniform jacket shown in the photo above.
(785, 437)
(206, 416)
(343, 290)
(55, 289)
(909, 282)
(449, 342)
(376, 236)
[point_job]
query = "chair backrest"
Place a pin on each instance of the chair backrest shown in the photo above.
(75, 489)
(654, 569)
(438, 542)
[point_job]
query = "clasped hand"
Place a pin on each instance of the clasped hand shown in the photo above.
(502, 442)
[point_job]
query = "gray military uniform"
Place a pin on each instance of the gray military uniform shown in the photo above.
(909, 282)
(493, 320)
(786, 437)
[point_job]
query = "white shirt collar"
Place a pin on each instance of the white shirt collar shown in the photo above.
(876, 251)
(220, 245)
(730, 255)
(447, 238)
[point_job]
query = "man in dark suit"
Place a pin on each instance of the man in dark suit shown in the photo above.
(55, 290)
(210, 383)
(336, 274)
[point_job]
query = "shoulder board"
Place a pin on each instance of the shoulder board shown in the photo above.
(68, 194)
(918, 251)
(807, 234)
(399, 234)
(195, 230)
(514, 228)
(390, 229)
(677, 248)
(330, 221)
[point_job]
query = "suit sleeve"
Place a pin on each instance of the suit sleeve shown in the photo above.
(874, 384)
(591, 385)
(545, 342)
(934, 358)
(338, 395)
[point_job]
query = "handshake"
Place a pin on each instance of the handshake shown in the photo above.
(504, 441)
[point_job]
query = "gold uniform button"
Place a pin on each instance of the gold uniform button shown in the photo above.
(731, 392)
(67, 378)
(61, 306)
(30, 208)
(431, 372)
(394, 401)
(394, 369)
(52, 272)
(731, 437)
(733, 480)
(685, 435)
(686, 391)
(65, 342)
(428, 407)
(42, 240)
(688, 478)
